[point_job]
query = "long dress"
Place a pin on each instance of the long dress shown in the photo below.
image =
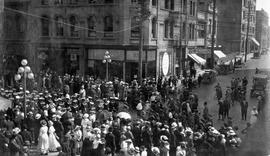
(253, 117)
(43, 139)
(53, 143)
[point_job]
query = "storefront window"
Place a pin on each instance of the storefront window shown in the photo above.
(151, 63)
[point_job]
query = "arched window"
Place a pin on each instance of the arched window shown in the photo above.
(91, 23)
(45, 25)
(154, 27)
(108, 25)
(59, 26)
(73, 26)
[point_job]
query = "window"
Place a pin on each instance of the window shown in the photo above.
(135, 31)
(172, 4)
(73, 26)
(108, 25)
(154, 28)
(134, 1)
(73, 1)
(201, 30)
(210, 26)
(184, 30)
(108, 1)
(154, 2)
(45, 26)
(92, 1)
(44, 2)
(20, 23)
(91, 23)
(191, 31)
(171, 29)
(57, 2)
(192, 8)
(167, 4)
(59, 26)
(166, 29)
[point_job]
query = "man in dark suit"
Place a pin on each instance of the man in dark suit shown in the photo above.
(110, 140)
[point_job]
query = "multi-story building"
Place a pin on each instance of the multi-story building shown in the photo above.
(262, 33)
(71, 36)
(204, 28)
(232, 25)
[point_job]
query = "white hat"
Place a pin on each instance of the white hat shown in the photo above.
(86, 115)
(174, 125)
(37, 116)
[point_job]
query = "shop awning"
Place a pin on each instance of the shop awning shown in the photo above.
(219, 54)
(255, 41)
(197, 59)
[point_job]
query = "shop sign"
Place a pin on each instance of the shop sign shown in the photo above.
(165, 64)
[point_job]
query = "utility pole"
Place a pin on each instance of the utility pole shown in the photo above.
(213, 35)
(248, 25)
(144, 14)
(141, 43)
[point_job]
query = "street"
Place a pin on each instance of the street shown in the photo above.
(257, 141)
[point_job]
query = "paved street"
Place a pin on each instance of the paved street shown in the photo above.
(257, 141)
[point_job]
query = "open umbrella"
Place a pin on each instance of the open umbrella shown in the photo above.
(124, 115)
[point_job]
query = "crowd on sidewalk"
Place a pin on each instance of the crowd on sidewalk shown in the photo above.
(83, 117)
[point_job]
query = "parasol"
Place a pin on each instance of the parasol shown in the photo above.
(124, 115)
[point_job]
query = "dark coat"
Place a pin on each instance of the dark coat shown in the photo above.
(110, 141)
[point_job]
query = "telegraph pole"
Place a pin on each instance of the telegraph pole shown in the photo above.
(248, 25)
(213, 35)
(141, 43)
(144, 14)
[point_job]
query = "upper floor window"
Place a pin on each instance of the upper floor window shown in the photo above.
(172, 5)
(44, 2)
(108, 25)
(73, 26)
(171, 29)
(166, 29)
(154, 28)
(192, 8)
(167, 4)
(56, 2)
(73, 1)
(91, 23)
(59, 26)
(92, 1)
(45, 26)
(154, 2)
(135, 29)
(20, 23)
(108, 1)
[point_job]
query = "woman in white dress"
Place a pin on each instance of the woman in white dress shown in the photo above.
(43, 139)
(253, 117)
(53, 143)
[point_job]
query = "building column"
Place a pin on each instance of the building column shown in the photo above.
(124, 65)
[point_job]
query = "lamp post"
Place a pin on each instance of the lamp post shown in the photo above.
(24, 72)
(107, 59)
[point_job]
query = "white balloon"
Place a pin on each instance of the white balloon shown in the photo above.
(104, 61)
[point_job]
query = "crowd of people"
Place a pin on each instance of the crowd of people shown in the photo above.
(91, 117)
